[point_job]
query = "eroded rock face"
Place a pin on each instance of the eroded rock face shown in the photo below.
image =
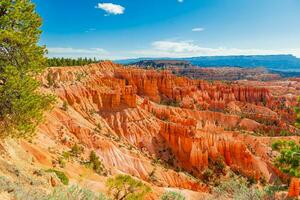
(155, 84)
(294, 189)
(118, 112)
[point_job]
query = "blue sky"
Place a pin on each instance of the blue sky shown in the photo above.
(117, 29)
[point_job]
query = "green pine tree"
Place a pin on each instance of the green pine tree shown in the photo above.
(21, 60)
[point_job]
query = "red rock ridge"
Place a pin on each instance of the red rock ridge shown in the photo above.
(126, 101)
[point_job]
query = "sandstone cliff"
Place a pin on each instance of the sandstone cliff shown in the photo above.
(138, 120)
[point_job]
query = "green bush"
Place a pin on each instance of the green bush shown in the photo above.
(271, 190)
(62, 162)
(237, 189)
(127, 188)
(76, 150)
(170, 102)
(207, 175)
(219, 164)
(98, 128)
(289, 159)
(172, 195)
(61, 175)
(50, 80)
(96, 164)
(74, 193)
(64, 106)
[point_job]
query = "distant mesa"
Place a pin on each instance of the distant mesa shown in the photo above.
(285, 65)
(185, 68)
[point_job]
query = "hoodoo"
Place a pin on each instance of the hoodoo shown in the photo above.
(165, 130)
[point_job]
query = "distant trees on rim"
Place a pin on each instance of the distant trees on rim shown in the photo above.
(56, 62)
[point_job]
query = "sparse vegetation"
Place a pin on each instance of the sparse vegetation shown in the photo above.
(76, 150)
(207, 175)
(152, 176)
(66, 155)
(50, 80)
(74, 193)
(65, 106)
(271, 190)
(172, 195)
(80, 76)
(95, 163)
(219, 165)
(284, 133)
(61, 175)
(127, 188)
(98, 127)
(237, 188)
(199, 107)
(170, 102)
(61, 162)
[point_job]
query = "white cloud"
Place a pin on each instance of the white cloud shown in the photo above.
(74, 50)
(111, 8)
(164, 48)
(189, 49)
(198, 29)
(176, 47)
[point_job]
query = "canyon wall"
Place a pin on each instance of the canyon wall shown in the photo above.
(158, 127)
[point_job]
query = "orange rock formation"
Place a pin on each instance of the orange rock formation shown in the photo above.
(294, 189)
(127, 103)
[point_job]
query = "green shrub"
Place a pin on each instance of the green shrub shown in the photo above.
(127, 188)
(80, 76)
(284, 133)
(172, 195)
(237, 189)
(62, 162)
(64, 106)
(76, 150)
(271, 190)
(66, 155)
(50, 80)
(61, 175)
(170, 102)
(207, 175)
(74, 193)
(152, 176)
(98, 127)
(289, 159)
(96, 164)
(219, 164)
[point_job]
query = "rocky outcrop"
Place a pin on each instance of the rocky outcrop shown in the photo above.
(126, 100)
(294, 189)
(195, 153)
(155, 84)
(133, 117)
